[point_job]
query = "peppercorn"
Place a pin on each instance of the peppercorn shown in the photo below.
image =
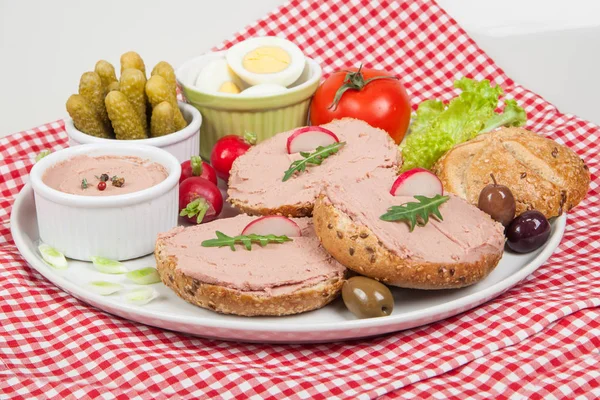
(118, 182)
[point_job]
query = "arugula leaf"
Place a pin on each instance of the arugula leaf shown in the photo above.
(416, 213)
(247, 240)
(316, 158)
(437, 127)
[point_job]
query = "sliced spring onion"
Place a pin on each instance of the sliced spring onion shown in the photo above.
(104, 288)
(42, 154)
(53, 257)
(108, 266)
(144, 276)
(140, 296)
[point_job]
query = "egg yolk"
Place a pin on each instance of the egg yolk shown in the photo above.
(229, 87)
(266, 60)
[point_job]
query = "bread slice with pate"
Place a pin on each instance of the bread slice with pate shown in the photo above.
(256, 184)
(457, 251)
(277, 279)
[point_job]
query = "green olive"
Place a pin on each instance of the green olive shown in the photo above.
(367, 298)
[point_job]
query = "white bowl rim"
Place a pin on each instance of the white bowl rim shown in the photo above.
(158, 155)
(314, 77)
(161, 141)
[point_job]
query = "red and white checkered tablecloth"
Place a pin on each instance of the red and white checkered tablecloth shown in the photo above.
(538, 340)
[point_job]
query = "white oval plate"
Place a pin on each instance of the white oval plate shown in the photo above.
(331, 323)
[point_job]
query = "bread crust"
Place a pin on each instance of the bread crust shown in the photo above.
(231, 301)
(357, 248)
(290, 211)
(542, 174)
(298, 210)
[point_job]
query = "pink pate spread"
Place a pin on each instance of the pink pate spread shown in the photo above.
(464, 235)
(273, 269)
(256, 177)
(139, 174)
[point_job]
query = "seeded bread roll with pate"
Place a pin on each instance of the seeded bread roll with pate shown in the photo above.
(541, 174)
(256, 186)
(277, 279)
(456, 252)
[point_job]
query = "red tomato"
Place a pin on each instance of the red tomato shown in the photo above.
(367, 94)
(227, 149)
(196, 167)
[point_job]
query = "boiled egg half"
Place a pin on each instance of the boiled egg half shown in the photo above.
(217, 77)
(267, 59)
(263, 89)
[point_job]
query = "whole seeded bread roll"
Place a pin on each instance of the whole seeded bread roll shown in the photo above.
(542, 174)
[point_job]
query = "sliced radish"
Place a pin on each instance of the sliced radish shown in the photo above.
(417, 181)
(273, 225)
(309, 138)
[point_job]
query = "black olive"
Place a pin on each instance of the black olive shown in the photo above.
(528, 232)
(497, 201)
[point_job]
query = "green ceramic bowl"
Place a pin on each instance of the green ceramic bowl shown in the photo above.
(265, 115)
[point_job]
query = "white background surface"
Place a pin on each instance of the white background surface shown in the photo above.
(550, 46)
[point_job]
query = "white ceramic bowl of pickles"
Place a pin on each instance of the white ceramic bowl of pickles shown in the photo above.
(182, 144)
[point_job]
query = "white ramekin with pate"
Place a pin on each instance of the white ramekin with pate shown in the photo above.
(105, 200)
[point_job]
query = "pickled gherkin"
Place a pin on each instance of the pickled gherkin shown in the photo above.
(90, 87)
(112, 86)
(165, 70)
(124, 118)
(162, 122)
(132, 85)
(106, 72)
(85, 118)
(158, 91)
(131, 59)
(128, 107)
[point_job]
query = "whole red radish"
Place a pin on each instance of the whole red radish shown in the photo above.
(200, 200)
(227, 149)
(196, 167)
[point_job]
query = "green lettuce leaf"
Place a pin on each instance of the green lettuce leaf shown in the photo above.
(437, 127)
(427, 112)
(513, 115)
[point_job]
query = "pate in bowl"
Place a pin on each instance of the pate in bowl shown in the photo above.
(105, 200)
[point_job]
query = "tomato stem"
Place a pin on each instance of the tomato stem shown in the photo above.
(354, 81)
(196, 164)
